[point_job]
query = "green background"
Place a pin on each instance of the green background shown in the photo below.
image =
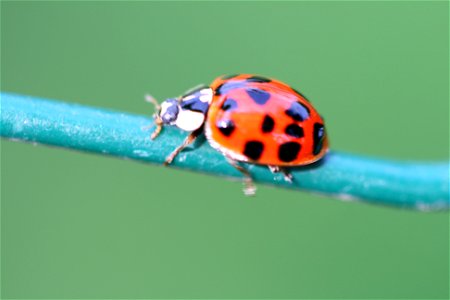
(78, 225)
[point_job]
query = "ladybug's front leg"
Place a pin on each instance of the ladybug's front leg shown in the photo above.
(189, 140)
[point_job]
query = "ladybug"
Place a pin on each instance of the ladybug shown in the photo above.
(250, 119)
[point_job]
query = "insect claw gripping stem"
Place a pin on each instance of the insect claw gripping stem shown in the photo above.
(159, 124)
(415, 185)
(287, 176)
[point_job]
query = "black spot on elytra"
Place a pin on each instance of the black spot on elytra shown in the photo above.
(294, 130)
(259, 96)
(298, 112)
(229, 76)
(228, 86)
(318, 137)
(258, 79)
(288, 152)
(229, 104)
(195, 104)
(267, 124)
(226, 127)
(253, 149)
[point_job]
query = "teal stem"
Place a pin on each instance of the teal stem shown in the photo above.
(419, 185)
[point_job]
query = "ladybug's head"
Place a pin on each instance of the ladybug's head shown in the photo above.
(169, 111)
(187, 112)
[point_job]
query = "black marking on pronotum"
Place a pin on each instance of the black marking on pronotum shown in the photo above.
(259, 96)
(226, 127)
(288, 152)
(195, 104)
(294, 130)
(267, 124)
(253, 149)
(298, 111)
(318, 137)
(229, 104)
(258, 79)
(229, 76)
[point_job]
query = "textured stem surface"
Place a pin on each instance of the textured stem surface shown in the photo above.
(346, 176)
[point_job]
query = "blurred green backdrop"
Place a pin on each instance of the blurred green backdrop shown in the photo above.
(77, 225)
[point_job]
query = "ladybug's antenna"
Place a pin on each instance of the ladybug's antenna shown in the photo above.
(150, 99)
(158, 121)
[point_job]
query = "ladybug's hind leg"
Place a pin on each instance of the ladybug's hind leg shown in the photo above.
(187, 141)
(249, 186)
(278, 169)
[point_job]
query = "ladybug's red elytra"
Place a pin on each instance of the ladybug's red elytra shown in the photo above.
(250, 119)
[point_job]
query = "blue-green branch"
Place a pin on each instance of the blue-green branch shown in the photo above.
(346, 176)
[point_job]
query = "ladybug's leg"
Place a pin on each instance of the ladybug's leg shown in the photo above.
(278, 169)
(274, 169)
(158, 121)
(249, 186)
(158, 128)
(287, 176)
(189, 140)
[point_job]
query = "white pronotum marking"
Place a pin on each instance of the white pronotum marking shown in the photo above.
(189, 120)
